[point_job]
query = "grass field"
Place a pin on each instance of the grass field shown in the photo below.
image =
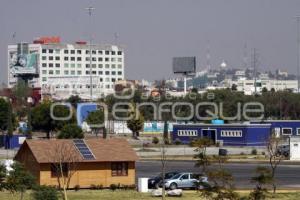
(132, 195)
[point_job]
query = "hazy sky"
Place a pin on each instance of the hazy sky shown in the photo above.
(154, 31)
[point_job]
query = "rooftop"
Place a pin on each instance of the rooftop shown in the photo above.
(104, 150)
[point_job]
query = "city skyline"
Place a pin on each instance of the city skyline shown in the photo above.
(153, 32)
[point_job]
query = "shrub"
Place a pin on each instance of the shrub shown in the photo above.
(263, 153)
(113, 187)
(99, 187)
(254, 152)
(44, 192)
(77, 187)
(242, 153)
(177, 141)
(93, 187)
(155, 140)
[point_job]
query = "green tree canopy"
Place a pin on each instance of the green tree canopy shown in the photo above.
(19, 180)
(95, 119)
(2, 176)
(136, 124)
(70, 131)
(41, 118)
(4, 107)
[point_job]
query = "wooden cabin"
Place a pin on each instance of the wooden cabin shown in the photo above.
(87, 162)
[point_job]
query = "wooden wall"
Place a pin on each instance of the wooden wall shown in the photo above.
(28, 160)
(89, 173)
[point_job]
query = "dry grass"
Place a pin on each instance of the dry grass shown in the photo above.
(133, 195)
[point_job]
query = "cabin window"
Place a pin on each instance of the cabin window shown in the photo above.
(119, 169)
(55, 170)
(286, 131)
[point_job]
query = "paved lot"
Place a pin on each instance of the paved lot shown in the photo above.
(288, 175)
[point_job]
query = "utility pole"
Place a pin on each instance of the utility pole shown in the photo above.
(254, 65)
(298, 51)
(90, 9)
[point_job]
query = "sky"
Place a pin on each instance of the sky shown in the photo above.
(154, 31)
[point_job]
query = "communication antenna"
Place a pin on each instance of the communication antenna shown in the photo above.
(245, 57)
(208, 66)
(254, 63)
(116, 38)
(90, 9)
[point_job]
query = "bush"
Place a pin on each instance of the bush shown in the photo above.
(96, 187)
(77, 187)
(113, 187)
(177, 141)
(254, 152)
(44, 192)
(93, 187)
(155, 140)
(242, 153)
(263, 153)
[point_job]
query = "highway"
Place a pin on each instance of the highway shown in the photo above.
(288, 175)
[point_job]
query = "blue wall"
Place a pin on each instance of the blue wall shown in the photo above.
(279, 125)
(11, 142)
(237, 134)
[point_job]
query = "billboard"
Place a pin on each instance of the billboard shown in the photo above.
(184, 65)
(23, 61)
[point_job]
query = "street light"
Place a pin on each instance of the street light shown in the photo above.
(90, 9)
(298, 50)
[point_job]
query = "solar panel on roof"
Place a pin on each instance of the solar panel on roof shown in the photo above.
(83, 149)
(89, 157)
(78, 141)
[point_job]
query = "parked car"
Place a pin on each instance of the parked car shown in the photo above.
(185, 180)
(155, 182)
(283, 150)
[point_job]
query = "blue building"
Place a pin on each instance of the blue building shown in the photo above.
(283, 128)
(236, 134)
(225, 134)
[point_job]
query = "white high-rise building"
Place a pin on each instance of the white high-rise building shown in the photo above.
(64, 69)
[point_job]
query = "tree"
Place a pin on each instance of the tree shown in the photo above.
(19, 180)
(41, 117)
(10, 126)
(4, 107)
(194, 90)
(74, 100)
(2, 176)
(273, 145)
(94, 120)
(70, 131)
(203, 160)
(234, 87)
(45, 192)
(166, 133)
(163, 159)
(221, 186)
(263, 178)
(264, 90)
(135, 124)
(64, 162)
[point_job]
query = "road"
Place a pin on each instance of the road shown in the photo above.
(288, 176)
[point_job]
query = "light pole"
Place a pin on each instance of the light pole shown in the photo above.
(90, 9)
(298, 51)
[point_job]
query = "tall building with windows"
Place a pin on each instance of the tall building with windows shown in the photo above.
(64, 69)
